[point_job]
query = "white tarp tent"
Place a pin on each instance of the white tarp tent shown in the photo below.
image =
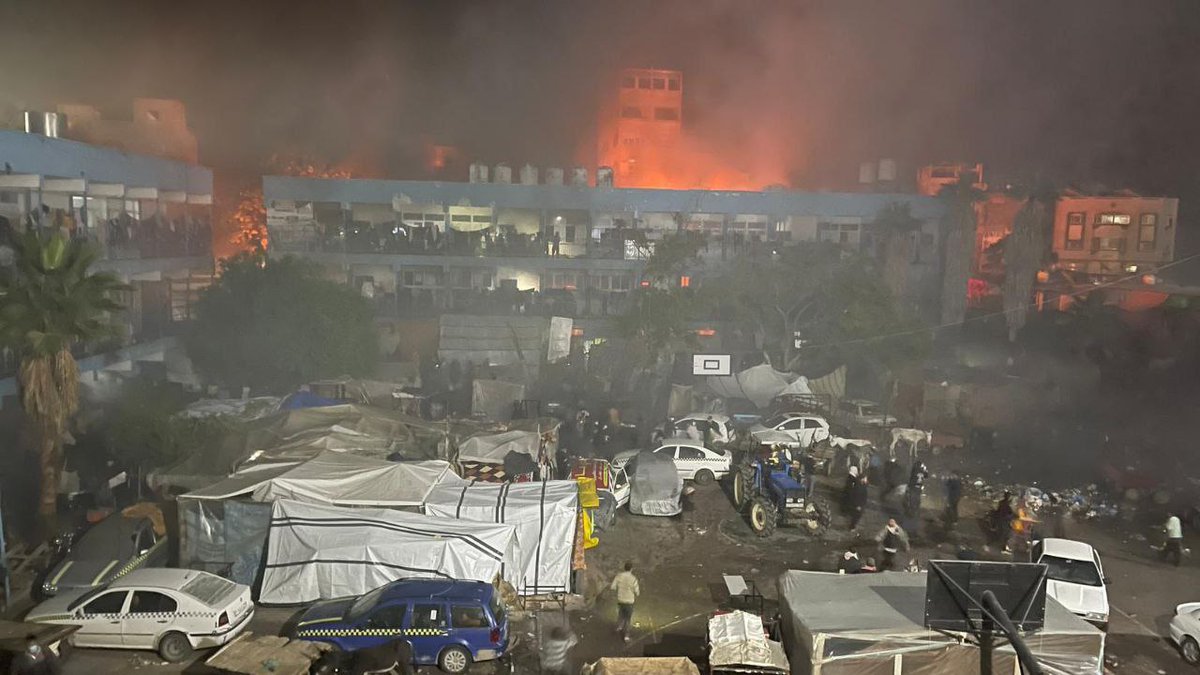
(337, 478)
(738, 639)
(491, 449)
(843, 624)
(759, 384)
(494, 398)
(544, 514)
(323, 552)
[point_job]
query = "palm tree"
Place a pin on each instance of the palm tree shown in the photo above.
(895, 225)
(958, 247)
(48, 303)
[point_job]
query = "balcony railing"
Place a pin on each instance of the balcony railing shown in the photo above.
(125, 238)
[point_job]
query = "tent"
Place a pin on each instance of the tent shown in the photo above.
(655, 486)
(759, 383)
(225, 524)
(544, 513)
(642, 665)
(491, 449)
(494, 398)
(336, 478)
(874, 623)
(738, 643)
(317, 552)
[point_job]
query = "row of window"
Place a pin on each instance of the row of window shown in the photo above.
(646, 82)
(633, 112)
(1147, 235)
(468, 278)
(1079, 218)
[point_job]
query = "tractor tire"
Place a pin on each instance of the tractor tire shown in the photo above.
(743, 479)
(763, 516)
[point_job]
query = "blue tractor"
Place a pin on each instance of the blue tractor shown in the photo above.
(774, 492)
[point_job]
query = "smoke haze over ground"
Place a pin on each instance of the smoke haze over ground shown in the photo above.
(1086, 90)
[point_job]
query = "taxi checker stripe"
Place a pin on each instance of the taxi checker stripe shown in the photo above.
(133, 564)
(469, 539)
(350, 632)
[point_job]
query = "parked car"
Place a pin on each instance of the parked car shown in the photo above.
(1075, 577)
(696, 462)
(451, 623)
(106, 551)
(1185, 631)
(865, 413)
(170, 611)
(609, 478)
(792, 429)
(722, 428)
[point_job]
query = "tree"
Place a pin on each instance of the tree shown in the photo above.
(895, 225)
(958, 247)
(142, 429)
(276, 324)
(837, 303)
(658, 317)
(50, 302)
(1025, 251)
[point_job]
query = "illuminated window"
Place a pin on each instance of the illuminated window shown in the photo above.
(1074, 232)
(666, 114)
(1112, 219)
(631, 112)
(1147, 232)
(660, 83)
(673, 84)
(628, 82)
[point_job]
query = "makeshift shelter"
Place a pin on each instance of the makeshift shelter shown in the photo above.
(241, 408)
(655, 486)
(306, 399)
(223, 526)
(493, 448)
(642, 665)
(759, 384)
(874, 623)
(544, 513)
(494, 398)
(317, 552)
(738, 644)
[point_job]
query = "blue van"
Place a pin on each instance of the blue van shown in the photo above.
(447, 622)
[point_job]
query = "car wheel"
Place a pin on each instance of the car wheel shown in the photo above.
(174, 647)
(704, 477)
(454, 659)
(1190, 650)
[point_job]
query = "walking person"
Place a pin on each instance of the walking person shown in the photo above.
(626, 587)
(1174, 546)
(858, 502)
(953, 497)
(891, 539)
(555, 651)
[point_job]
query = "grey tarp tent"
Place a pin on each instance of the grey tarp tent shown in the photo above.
(838, 624)
(544, 513)
(655, 486)
(317, 552)
(759, 384)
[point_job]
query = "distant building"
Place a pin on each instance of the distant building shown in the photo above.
(158, 128)
(995, 215)
(1103, 237)
(933, 177)
(641, 126)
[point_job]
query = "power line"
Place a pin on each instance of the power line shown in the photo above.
(1003, 312)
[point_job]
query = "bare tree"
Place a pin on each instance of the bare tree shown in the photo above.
(1025, 252)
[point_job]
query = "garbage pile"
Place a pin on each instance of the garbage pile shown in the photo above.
(1084, 503)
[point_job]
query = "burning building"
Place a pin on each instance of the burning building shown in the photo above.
(158, 128)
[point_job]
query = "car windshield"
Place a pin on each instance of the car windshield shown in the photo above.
(1072, 571)
(86, 597)
(364, 604)
(209, 588)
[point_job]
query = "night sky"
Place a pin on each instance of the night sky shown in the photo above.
(1075, 91)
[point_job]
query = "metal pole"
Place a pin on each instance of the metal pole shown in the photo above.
(985, 647)
(1028, 661)
(4, 556)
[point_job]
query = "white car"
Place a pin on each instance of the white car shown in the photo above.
(793, 429)
(867, 413)
(171, 611)
(692, 460)
(1075, 578)
(1185, 631)
(722, 427)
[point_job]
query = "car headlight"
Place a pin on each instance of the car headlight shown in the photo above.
(49, 587)
(1095, 616)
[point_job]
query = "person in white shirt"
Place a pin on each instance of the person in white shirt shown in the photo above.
(627, 589)
(1174, 546)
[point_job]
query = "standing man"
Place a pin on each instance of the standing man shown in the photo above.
(953, 497)
(1174, 546)
(556, 242)
(627, 589)
(891, 539)
(858, 502)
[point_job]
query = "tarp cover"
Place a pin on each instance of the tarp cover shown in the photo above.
(738, 639)
(655, 486)
(325, 552)
(495, 398)
(759, 383)
(662, 665)
(861, 623)
(544, 514)
(244, 408)
(306, 399)
(491, 449)
(337, 478)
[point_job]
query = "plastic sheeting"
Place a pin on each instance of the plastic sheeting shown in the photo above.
(738, 639)
(494, 398)
(759, 384)
(874, 623)
(655, 486)
(244, 408)
(544, 514)
(662, 665)
(491, 449)
(325, 552)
